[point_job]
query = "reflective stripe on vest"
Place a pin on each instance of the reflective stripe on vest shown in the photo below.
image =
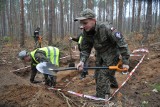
(80, 40)
(32, 55)
(51, 52)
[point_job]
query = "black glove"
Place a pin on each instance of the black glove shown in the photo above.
(83, 74)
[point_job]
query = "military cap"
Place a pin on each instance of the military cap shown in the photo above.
(86, 14)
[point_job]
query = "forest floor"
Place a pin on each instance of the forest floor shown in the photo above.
(142, 89)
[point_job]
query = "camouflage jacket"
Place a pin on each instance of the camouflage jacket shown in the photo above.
(40, 56)
(104, 38)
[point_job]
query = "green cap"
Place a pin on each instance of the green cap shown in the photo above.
(86, 14)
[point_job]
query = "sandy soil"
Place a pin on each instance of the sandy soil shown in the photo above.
(17, 91)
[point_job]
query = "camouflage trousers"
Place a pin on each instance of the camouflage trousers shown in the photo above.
(104, 77)
(49, 79)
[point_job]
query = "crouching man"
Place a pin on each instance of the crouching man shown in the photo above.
(45, 54)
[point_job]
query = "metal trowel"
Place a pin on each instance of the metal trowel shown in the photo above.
(46, 68)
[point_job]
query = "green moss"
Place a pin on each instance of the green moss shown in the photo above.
(157, 87)
(146, 94)
(6, 39)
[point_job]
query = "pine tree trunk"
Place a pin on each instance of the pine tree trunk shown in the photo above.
(132, 26)
(112, 10)
(155, 22)
(148, 22)
(41, 16)
(90, 4)
(61, 17)
(120, 15)
(46, 14)
(138, 17)
(54, 20)
(50, 22)
(22, 23)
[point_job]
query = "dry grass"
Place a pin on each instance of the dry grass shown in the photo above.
(135, 39)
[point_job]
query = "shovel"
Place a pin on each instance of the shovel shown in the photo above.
(51, 69)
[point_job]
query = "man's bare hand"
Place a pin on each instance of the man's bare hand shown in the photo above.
(125, 66)
(80, 66)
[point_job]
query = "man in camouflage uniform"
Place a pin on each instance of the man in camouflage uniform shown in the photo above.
(36, 37)
(109, 44)
(79, 39)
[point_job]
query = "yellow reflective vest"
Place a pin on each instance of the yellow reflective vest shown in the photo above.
(80, 39)
(52, 53)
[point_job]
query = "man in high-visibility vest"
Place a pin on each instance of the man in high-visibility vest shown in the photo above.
(79, 39)
(45, 54)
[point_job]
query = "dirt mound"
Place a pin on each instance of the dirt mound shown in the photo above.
(143, 83)
(24, 96)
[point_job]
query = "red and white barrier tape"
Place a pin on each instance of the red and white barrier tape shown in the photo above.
(129, 76)
(96, 98)
(20, 69)
(78, 94)
(140, 50)
(135, 55)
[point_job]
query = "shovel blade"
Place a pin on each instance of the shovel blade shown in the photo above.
(46, 68)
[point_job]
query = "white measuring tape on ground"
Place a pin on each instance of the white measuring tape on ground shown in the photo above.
(129, 76)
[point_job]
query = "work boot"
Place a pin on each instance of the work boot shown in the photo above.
(51, 81)
(46, 82)
(113, 81)
(34, 81)
(83, 74)
(114, 84)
